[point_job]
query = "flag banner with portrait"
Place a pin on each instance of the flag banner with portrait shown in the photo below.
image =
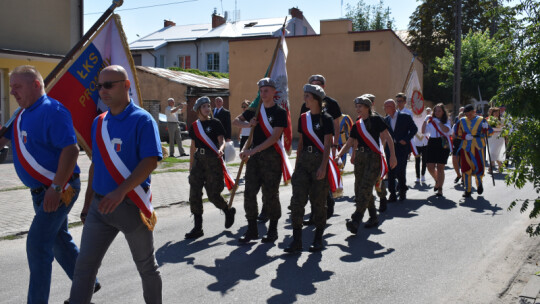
(76, 86)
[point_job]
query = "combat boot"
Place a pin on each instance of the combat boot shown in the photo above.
(317, 241)
(354, 222)
(271, 235)
(229, 216)
(373, 220)
(251, 234)
(197, 230)
(296, 244)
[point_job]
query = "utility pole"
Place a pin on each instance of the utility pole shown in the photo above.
(457, 62)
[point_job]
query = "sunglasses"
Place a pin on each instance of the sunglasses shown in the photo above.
(107, 84)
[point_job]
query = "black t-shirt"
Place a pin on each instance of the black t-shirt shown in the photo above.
(375, 125)
(330, 106)
(213, 128)
(322, 125)
(277, 117)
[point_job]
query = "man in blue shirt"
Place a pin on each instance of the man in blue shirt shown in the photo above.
(45, 159)
(125, 151)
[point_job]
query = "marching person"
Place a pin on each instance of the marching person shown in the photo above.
(439, 145)
(369, 163)
(420, 140)
(473, 130)
(45, 160)
(316, 130)
(401, 101)
(125, 151)
(496, 141)
(175, 135)
(402, 130)
(206, 136)
(266, 159)
(331, 107)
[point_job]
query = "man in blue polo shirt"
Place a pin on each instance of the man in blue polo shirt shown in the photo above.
(45, 159)
(125, 150)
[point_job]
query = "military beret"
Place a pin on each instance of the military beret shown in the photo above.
(266, 82)
(468, 108)
(402, 95)
(371, 97)
(363, 100)
(315, 90)
(200, 102)
(317, 78)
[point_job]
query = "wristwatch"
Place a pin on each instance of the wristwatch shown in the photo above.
(56, 188)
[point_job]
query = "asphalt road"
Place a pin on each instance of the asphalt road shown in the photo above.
(426, 250)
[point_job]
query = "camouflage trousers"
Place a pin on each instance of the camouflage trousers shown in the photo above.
(206, 172)
(305, 183)
(263, 170)
(367, 170)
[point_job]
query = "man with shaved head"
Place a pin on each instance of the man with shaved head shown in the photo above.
(125, 151)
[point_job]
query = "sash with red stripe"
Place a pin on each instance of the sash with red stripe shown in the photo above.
(442, 134)
(370, 141)
(286, 168)
(28, 162)
(334, 177)
(118, 170)
(199, 132)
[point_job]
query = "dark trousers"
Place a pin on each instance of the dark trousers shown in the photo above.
(398, 173)
(420, 158)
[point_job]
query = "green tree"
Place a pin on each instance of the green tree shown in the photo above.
(520, 91)
(480, 55)
(367, 17)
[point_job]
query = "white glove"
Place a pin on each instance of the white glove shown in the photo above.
(469, 137)
(485, 125)
(428, 117)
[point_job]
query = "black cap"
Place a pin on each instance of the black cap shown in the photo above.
(468, 108)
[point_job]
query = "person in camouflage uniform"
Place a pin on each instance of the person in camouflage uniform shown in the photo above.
(263, 169)
(204, 167)
(309, 176)
(367, 161)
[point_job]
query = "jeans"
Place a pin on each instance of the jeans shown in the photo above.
(49, 238)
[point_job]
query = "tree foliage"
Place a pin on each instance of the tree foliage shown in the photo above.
(480, 55)
(367, 17)
(520, 91)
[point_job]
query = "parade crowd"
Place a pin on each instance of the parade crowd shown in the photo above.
(126, 148)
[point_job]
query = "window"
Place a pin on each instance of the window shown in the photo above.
(212, 62)
(161, 61)
(137, 59)
(184, 62)
(362, 46)
(305, 30)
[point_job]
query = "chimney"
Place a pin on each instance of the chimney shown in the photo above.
(217, 20)
(296, 13)
(167, 23)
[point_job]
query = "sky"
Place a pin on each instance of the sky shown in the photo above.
(142, 17)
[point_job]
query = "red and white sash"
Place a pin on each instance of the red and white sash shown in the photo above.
(334, 177)
(118, 170)
(372, 144)
(286, 168)
(199, 132)
(413, 149)
(442, 134)
(28, 162)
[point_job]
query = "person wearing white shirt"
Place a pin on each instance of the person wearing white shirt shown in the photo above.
(401, 100)
(174, 128)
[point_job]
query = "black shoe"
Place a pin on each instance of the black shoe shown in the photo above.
(392, 198)
(383, 205)
(480, 189)
(272, 234)
(296, 244)
(229, 217)
(252, 232)
(372, 222)
(97, 287)
(466, 194)
(352, 226)
(456, 180)
(184, 154)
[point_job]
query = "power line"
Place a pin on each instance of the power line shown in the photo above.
(141, 7)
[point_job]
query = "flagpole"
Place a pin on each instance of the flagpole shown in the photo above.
(82, 41)
(250, 138)
(408, 75)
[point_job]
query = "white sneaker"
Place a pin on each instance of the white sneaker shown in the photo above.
(423, 179)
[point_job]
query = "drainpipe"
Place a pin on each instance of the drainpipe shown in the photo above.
(155, 58)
